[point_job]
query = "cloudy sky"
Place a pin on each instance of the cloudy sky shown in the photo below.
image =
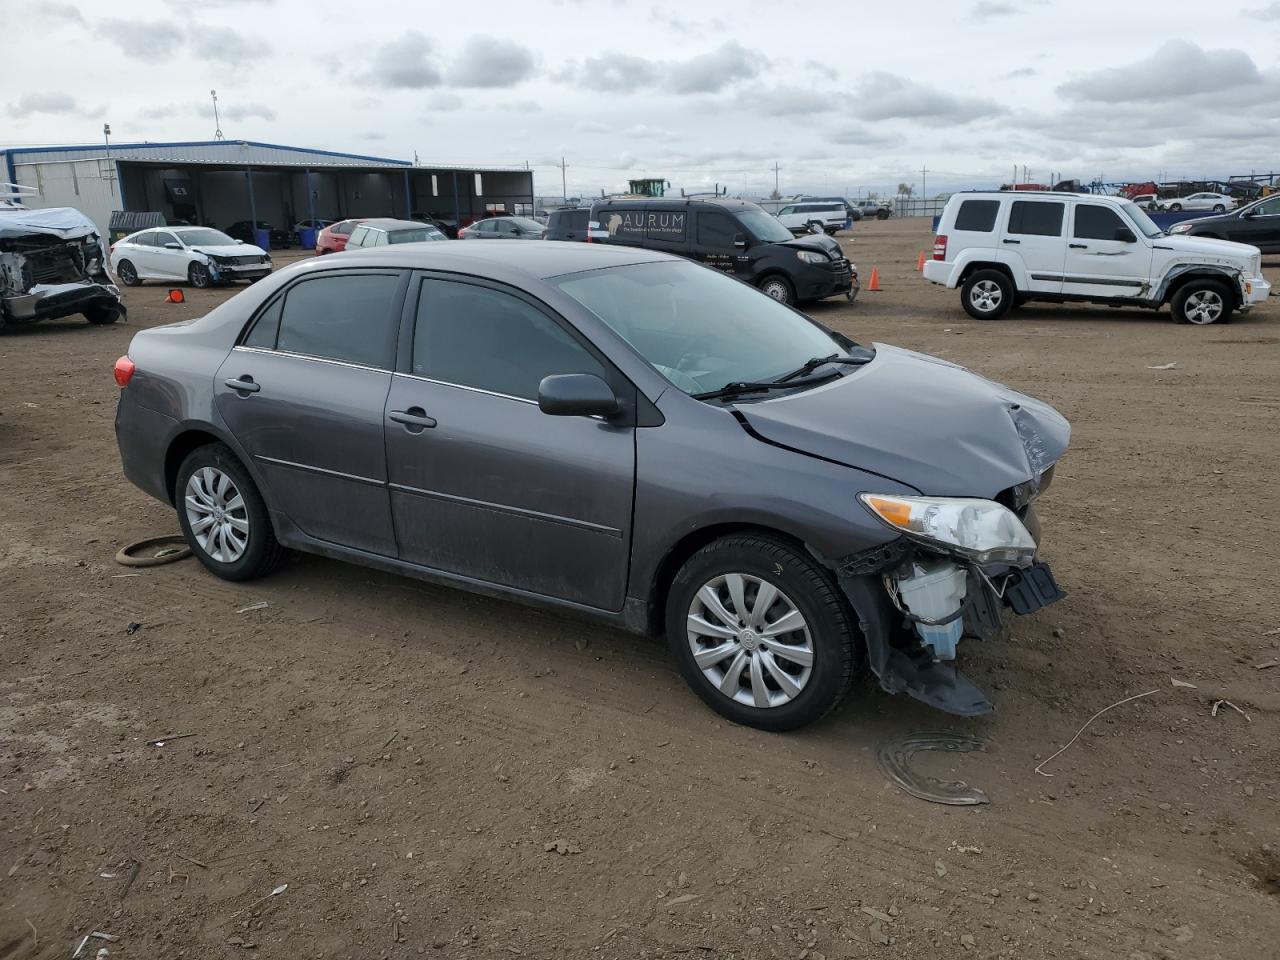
(844, 97)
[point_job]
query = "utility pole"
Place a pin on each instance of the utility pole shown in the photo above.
(924, 189)
(106, 139)
(217, 124)
(776, 168)
(564, 182)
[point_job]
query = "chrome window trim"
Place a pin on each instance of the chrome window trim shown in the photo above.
(303, 356)
(463, 386)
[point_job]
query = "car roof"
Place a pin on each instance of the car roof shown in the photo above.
(676, 202)
(534, 259)
(1051, 194)
(391, 223)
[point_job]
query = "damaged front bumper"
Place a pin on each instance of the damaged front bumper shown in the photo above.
(50, 301)
(911, 650)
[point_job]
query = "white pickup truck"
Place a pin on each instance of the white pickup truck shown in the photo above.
(828, 215)
(1004, 248)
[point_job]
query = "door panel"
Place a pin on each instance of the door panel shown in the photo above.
(1033, 232)
(504, 493)
(169, 264)
(1097, 264)
(314, 431)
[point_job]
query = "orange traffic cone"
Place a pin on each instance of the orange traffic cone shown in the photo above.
(874, 285)
(174, 296)
(920, 262)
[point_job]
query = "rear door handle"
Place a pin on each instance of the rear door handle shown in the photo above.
(243, 385)
(415, 419)
(1077, 246)
(1010, 241)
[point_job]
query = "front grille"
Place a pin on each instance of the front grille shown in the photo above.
(58, 265)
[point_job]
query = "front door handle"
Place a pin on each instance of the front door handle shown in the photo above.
(244, 385)
(1010, 241)
(1077, 246)
(415, 419)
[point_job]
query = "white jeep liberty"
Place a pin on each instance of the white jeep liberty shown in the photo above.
(1005, 248)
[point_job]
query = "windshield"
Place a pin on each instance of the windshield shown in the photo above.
(205, 236)
(1145, 224)
(764, 226)
(698, 327)
(415, 236)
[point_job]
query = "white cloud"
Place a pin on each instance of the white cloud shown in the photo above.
(491, 62)
(408, 62)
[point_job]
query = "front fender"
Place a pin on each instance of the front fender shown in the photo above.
(1232, 275)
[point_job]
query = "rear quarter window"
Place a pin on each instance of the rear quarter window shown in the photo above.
(977, 215)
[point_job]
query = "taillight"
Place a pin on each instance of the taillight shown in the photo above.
(940, 247)
(462, 234)
(123, 371)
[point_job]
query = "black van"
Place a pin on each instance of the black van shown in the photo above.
(568, 224)
(731, 235)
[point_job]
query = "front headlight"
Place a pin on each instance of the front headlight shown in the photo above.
(809, 256)
(982, 530)
(1180, 227)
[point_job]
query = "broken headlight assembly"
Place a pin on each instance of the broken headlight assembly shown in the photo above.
(982, 531)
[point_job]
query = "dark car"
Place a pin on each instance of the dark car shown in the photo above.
(613, 432)
(379, 231)
(1258, 224)
(503, 228)
(569, 224)
(734, 236)
(244, 230)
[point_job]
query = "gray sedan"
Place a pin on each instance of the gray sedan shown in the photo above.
(504, 228)
(615, 432)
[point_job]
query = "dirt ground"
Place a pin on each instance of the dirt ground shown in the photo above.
(402, 756)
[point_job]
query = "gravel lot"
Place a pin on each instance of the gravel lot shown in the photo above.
(437, 774)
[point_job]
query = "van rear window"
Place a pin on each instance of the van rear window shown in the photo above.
(978, 215)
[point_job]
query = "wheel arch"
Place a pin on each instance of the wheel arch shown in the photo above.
(1176, 280)
(679, 553)
(974, 266)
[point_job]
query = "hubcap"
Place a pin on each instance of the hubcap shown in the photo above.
(776, 290)
(217, 515)
(986, 295)
(1203, 306)
(750, 641)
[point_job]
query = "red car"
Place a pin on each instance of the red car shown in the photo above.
(333, 238)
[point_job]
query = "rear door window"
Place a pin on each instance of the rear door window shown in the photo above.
(357, 237)
(1038, 218)
(1096, 222)
(978, 216)
(348, 317)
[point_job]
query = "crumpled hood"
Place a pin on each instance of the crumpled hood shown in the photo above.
(921, 421)
(814, 241)
(230, 250)
(1209, 247)
(66, 223)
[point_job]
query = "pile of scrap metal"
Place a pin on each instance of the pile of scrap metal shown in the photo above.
(53, 264)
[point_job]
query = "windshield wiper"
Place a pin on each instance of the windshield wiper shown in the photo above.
(816, 362)
(740, 387)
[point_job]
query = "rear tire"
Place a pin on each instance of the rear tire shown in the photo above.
(779, 288)
(1175, 208)
(101, 316)
(1219, 208)
(127, 273)
(987, 294)
(1201, 302)
(766, 676)
(232, 534)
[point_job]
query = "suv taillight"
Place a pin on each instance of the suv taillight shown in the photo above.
(940, 247)
(123, 371)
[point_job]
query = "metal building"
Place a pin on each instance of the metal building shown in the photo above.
(219, 182)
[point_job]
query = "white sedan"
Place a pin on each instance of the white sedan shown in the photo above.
(199, 255)
(1217, 202)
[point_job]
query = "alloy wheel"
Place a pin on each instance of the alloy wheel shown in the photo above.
(128, 275)
(750, 640)
(217, 514)
(1203, 306)
(986, 296)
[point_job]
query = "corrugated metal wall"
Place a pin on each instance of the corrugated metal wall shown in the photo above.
(88, 185)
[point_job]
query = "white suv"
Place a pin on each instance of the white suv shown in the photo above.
(830, 216)
(1005, 248)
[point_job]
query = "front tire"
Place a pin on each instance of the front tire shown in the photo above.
(1175, 208)
(223, 516)
(1219, 208)
(1201, 302)
(761, 633)
(987, 294)
(779, 288)
(101, 316)
(198, 276)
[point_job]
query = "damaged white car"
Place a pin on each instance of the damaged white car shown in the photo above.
(52, 264)
(200, 256)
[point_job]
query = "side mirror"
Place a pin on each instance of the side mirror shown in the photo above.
(1125, 235)
(173, 246)
(576, 395)
(740, 241)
